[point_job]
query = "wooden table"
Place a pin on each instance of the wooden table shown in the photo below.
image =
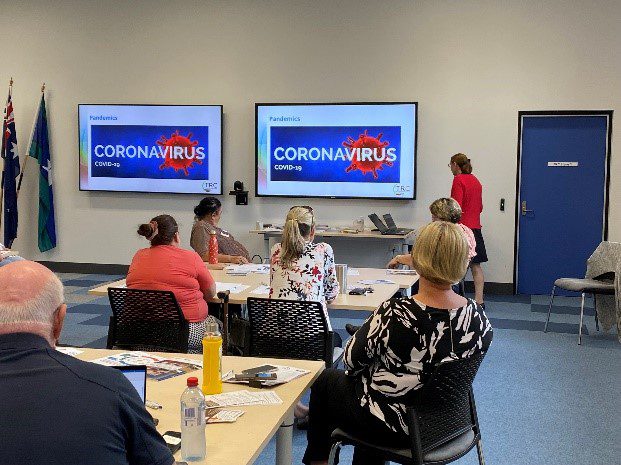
(335, 233)
(369, 302)
(238, 443)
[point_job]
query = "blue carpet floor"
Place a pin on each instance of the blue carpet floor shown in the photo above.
(541, 398)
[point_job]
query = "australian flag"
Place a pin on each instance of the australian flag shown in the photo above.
(10, 172)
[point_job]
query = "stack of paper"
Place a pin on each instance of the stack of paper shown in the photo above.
(235, 398)
(404, 271)
(368, 282)
(258, 268)
(158, 368)
(261, 290)
(233, 288)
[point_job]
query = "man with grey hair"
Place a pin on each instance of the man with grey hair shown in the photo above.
(57, 409)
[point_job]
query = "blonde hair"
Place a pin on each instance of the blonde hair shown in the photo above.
(446, 209)
(298, 225)
(440, 253)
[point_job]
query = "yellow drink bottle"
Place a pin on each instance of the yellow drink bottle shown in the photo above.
(212, 360)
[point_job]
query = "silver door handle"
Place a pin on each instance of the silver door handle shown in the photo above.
(524, 209)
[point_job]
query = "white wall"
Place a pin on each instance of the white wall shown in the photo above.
(472, 65)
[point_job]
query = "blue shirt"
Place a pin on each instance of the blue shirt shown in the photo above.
(56, 409)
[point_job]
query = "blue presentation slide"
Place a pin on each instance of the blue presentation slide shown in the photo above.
(149, 148)
(336, 150)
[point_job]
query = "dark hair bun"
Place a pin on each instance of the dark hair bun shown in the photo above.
(207, 206)
(145, 230)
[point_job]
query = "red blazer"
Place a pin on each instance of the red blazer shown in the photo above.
(467, 190)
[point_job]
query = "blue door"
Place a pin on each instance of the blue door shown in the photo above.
(562, 195)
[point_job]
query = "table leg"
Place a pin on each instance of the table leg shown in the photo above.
(266, 242)
(284, 440)
(404, 248)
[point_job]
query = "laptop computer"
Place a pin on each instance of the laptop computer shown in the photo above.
(384, 230)
(137, 375)
(392, 225)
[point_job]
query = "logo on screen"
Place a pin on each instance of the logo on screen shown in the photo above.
(400, 189)
(369, 153)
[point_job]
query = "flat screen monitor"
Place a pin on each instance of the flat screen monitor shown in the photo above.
(151, 148)
(336, 150)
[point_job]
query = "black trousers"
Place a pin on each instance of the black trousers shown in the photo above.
(334, 404)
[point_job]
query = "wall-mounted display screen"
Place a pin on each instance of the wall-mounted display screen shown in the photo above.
(151, 148)
(347, 150)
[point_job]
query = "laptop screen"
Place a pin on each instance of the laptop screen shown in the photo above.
(137, 375)
(377, 222)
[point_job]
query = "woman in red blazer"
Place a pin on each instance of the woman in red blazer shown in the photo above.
(467, 190)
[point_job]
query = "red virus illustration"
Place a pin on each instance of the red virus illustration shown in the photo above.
(368, 165)
(179, 162)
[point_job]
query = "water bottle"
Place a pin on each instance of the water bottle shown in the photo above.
(193, 422)
(213, 248)
(212, 359)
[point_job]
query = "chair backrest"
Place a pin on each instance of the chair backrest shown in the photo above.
(444, 407)
(289, 329)
(146, 320)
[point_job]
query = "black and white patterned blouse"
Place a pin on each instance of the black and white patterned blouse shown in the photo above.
(397, 348)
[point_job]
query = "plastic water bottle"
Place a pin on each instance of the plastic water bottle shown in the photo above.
(212, 360)
(193, 422)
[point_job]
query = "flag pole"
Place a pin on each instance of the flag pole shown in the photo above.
(21, 175)
(3, 136)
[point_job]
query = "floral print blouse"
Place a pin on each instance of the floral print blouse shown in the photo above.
(310, 277)
(396, 349)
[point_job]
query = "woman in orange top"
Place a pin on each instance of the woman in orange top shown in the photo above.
(167, 267)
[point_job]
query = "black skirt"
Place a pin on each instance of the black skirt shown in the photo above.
(481, 255)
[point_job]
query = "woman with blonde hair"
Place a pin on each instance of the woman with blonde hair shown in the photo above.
(303, 270)
(396, 350)
(443, 209)
(300, 268)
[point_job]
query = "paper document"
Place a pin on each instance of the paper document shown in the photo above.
(368, 282)
(229, 399)
(353, 272)
(217, 415)
(158, 368)
(233, 288)
(406, 272)
(284, 374)
(261, 290)
(69, 351)
(258, 268)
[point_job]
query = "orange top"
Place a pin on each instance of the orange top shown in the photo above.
(170, 268)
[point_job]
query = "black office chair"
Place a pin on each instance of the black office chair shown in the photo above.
(146, 320)
(291, 329)
(442, 420)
